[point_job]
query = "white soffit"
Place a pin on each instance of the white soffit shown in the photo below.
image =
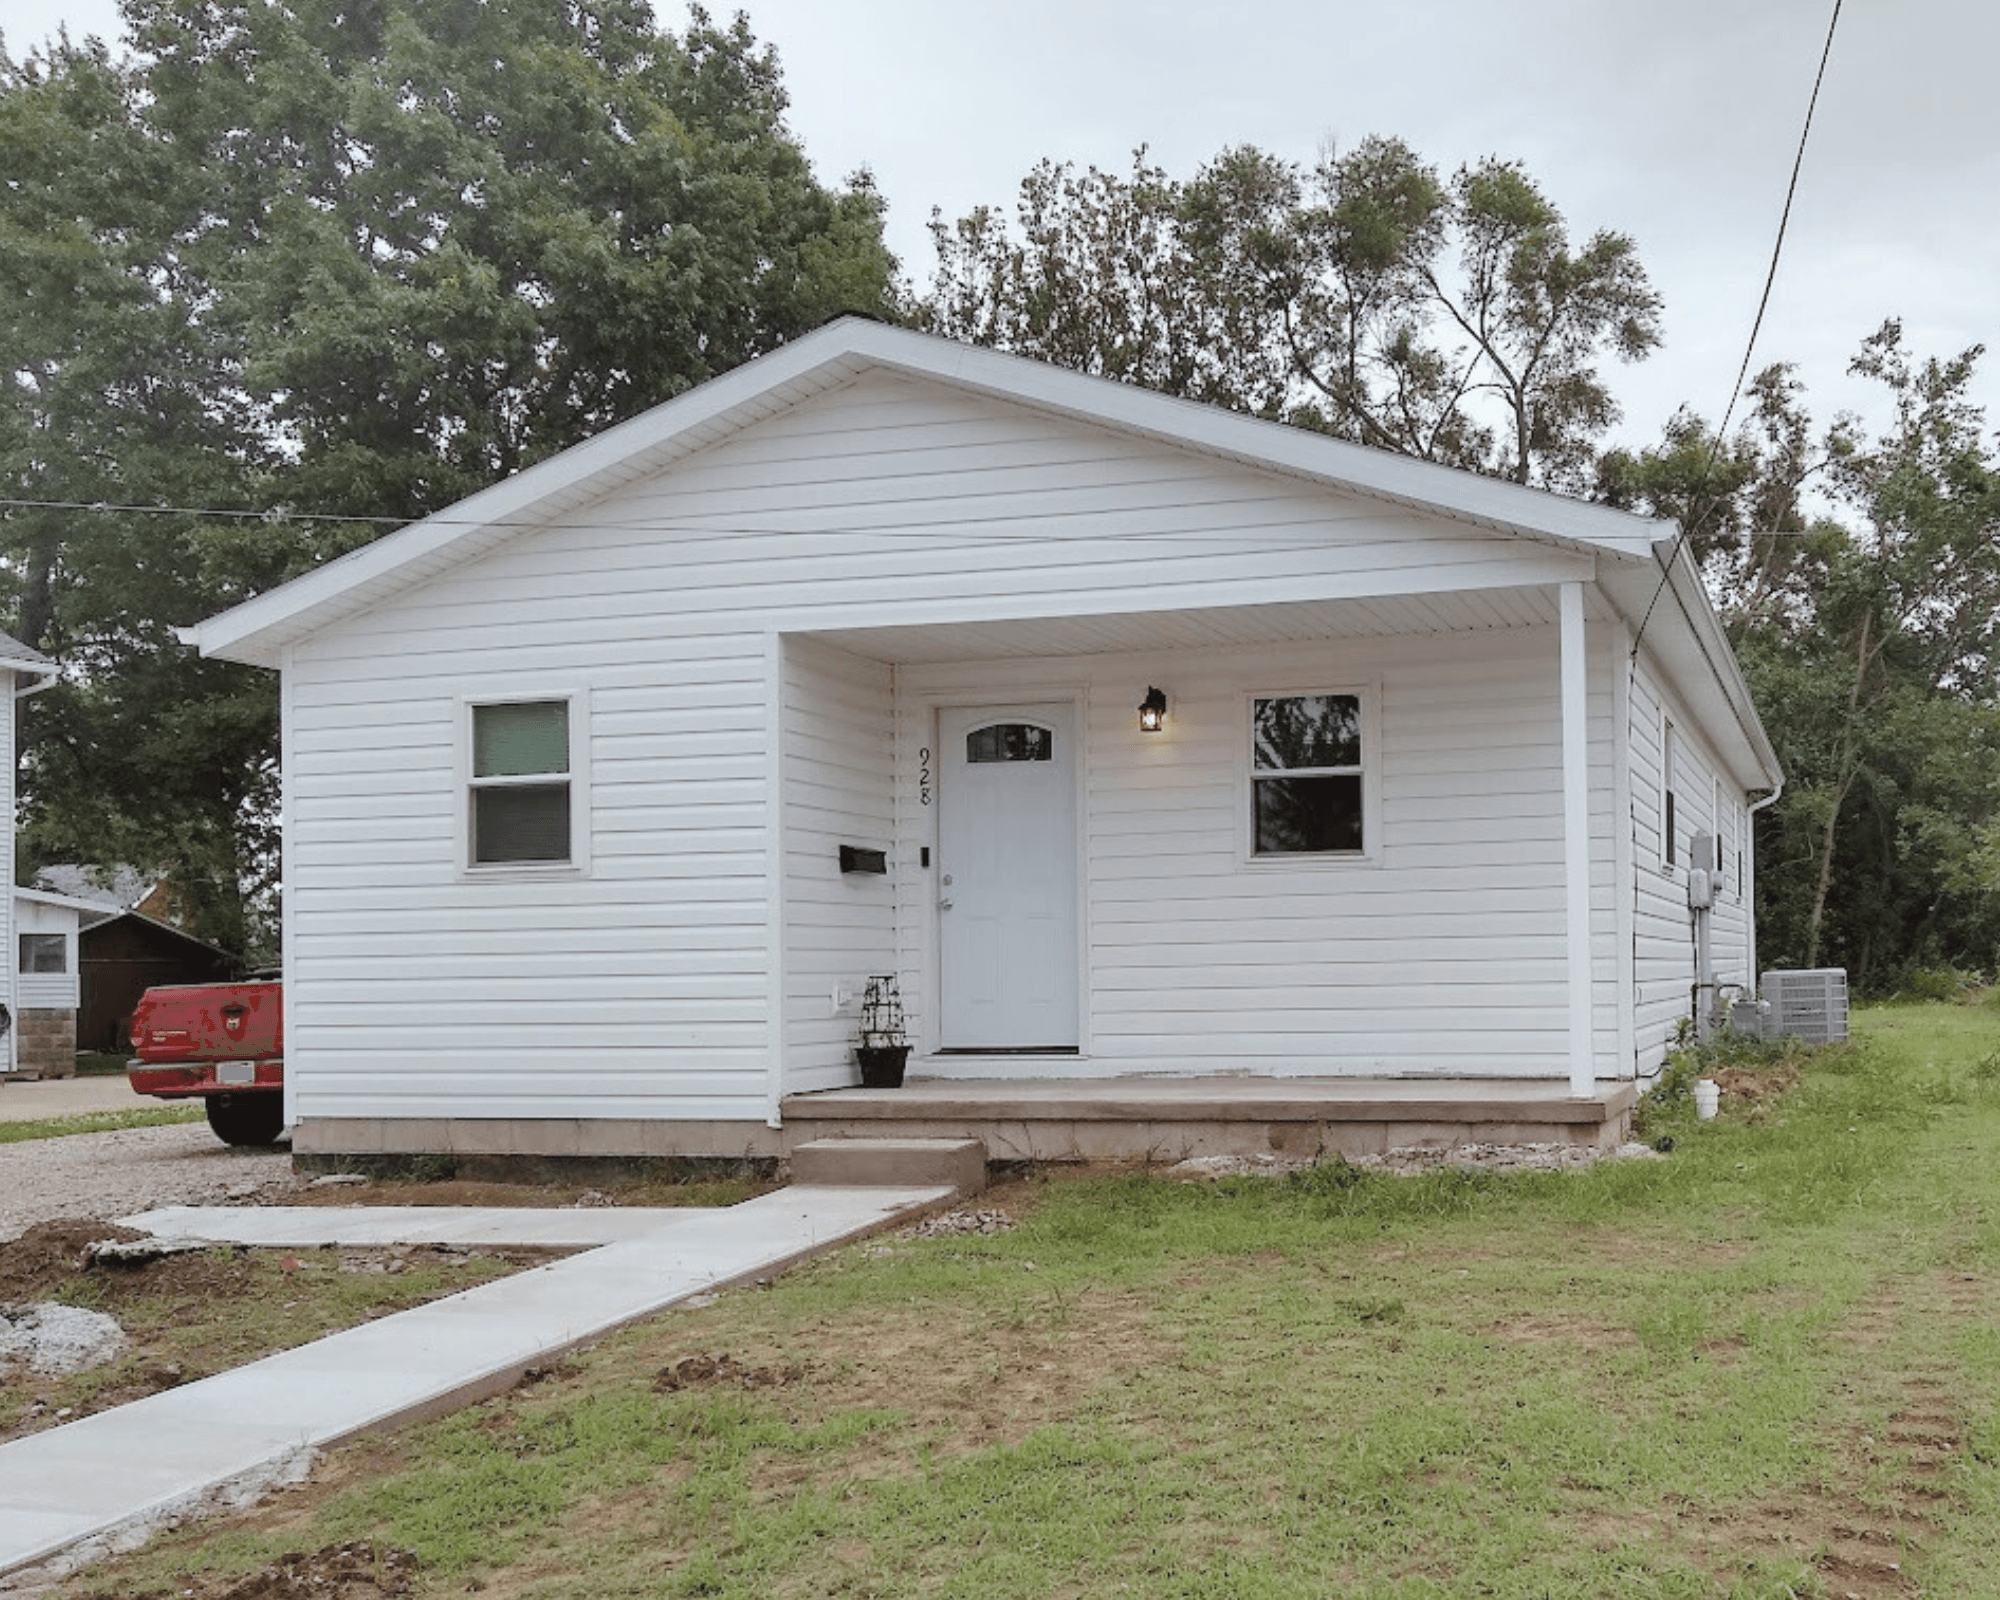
(1212, 626)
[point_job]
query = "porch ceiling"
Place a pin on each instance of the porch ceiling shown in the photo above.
(1453, 612)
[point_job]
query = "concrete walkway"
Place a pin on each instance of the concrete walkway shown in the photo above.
(105, 1482)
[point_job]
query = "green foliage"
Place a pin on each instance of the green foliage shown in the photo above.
(1866, 635)
(356, 261)
(1368, 297)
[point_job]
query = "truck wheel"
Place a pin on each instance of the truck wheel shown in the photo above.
(247, 1118)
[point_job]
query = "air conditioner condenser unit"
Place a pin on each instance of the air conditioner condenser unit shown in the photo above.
(1810, 1004)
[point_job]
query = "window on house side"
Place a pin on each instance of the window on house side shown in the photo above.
(44, 952)
(520, 785)
(1670, 760)
(1306, 771)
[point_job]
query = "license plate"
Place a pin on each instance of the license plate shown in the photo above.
(235, 1074)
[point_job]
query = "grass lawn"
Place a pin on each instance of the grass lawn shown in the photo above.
(97, 1122)
(1768, 1365)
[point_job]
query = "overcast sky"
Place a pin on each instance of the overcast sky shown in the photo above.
(1675, 123)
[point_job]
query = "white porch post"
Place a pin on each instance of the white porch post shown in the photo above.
(1576, 834)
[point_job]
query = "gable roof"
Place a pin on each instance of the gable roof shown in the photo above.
(258, 630)
(106, 916)
(1639, 552)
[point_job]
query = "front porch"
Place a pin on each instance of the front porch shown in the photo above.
(1162, 1119)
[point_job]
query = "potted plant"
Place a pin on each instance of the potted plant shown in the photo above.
(885, 1047)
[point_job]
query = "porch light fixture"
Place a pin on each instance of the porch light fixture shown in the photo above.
(1153, 712)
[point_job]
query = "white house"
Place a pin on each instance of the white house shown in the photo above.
(569, 769)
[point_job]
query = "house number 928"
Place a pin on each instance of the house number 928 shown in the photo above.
(924, 775)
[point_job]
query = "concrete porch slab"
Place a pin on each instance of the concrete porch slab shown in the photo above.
(1130, 1119)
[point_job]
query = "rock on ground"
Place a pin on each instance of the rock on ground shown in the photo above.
(53, 1339)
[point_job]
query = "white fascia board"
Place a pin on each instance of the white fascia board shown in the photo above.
(258, 629)
(47, 897)
(1685, 638)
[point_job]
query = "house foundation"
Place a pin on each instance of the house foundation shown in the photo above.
(1168, 1120)
(46, 1046)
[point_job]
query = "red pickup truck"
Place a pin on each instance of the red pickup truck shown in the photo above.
(223, 1043)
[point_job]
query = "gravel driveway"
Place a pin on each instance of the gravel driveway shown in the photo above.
(105, 1175)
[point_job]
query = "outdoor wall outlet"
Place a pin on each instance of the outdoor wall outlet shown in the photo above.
(843, 997)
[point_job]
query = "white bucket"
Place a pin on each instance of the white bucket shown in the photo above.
(1707, 1096)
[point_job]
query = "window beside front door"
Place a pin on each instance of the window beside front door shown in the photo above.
(1308, 772)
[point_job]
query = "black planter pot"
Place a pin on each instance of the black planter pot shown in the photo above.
(882, 1067)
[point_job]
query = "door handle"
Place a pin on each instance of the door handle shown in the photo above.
(944, 905)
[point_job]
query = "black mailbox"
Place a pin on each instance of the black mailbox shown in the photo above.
(855, 859)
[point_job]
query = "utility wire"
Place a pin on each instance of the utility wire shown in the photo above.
(691, 524)
(1763, 303)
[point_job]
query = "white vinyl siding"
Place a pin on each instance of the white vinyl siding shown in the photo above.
(1705, 802)
(668, 981)
(56, 990)
(1445, 956)
(840, 927)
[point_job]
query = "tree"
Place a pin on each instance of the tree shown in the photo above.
(1867, 634)
(1368, 297)
(334, 259)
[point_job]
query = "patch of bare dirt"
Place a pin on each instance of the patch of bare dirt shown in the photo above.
(1756, 1090)
(1565, 1333)
(51, 1255)
(1861, 1545)
(706, 1371)
(338, 1572)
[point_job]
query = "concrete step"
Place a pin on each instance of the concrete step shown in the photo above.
(892, 1162)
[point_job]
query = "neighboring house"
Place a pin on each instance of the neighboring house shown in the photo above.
(46, 982)
(26, 1008)
(569, 768)
(125, 945)
(122, 954)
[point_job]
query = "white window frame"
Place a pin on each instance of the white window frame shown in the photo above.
(577, 703)
(1671, 864)
(1369, 694)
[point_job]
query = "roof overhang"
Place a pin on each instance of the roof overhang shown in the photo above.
(1674, 624)
(1631, 553)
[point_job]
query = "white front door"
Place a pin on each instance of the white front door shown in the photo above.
(1007, 878)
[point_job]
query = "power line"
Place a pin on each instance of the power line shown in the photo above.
(687, 524)
(1756, 325)
(274, 514)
